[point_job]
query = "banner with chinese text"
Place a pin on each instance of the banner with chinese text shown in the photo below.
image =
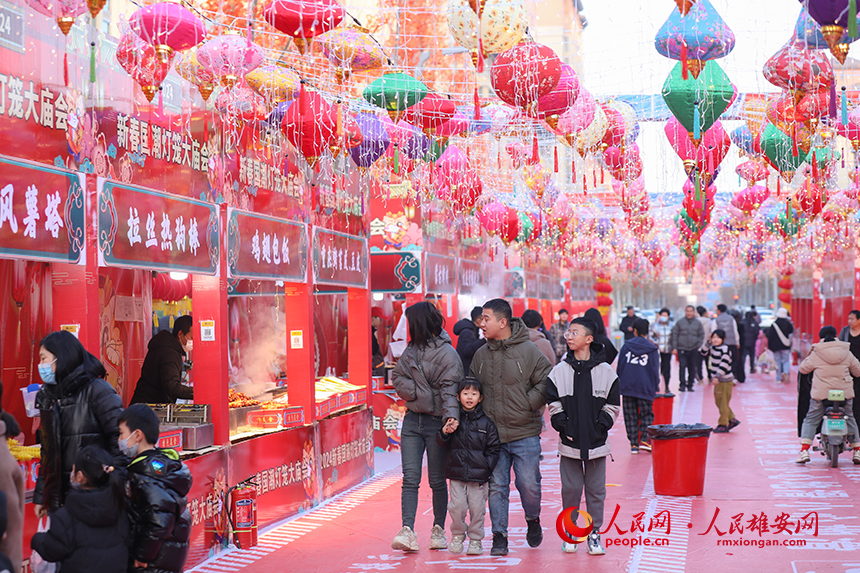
(470, 275)
(41, 212)
(260, 247)
(440, 274)
(142, 228)
(339, 259)
(346, 451)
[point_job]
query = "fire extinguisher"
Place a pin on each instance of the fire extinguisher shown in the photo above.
(243, 514)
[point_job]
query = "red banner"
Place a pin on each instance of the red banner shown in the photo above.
(470, 275)
(260, 247)
(440, 274)
(142, 228)
(346, 451)
(388, 413)
(395, 271)
(41, 212)
(208, 522)
(283, 467)
(339, 259)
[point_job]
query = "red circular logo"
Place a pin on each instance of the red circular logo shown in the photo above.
(568, 531)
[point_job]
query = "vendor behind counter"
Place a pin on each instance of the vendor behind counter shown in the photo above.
(161, 374)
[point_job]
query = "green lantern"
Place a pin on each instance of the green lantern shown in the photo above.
(698, 103)
(437, 148)
(779, 150)
(395, 92)
(527, 227)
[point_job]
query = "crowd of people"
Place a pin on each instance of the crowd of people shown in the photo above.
(106, 497)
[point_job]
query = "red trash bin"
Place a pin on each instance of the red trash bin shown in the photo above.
(679, 456)
(662, 407)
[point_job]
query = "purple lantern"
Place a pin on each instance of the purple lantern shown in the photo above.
(374, 143)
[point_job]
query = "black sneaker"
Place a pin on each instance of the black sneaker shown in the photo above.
(500, 544)
(682, 389)
(535, 534)
(734, 423)
(721, 430)
(690, 389)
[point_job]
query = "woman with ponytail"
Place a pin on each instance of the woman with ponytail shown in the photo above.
(90, 532)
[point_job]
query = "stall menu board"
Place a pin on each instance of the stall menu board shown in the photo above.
(143, 228)
(395, 271)
(470, 274)
(41, 212)
(339, 259)
(260, 247)
(440, 273)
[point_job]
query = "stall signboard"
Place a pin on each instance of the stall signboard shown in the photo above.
(395, 271)
(339, 259)
(346, 451)
(284, 470)
(440, 274)
(389, 409)
(261, 247)
(532, 290)
(515, 286)
(549, 288)
(142, 228)
(470, 275)
(209, 525)
(41, 212)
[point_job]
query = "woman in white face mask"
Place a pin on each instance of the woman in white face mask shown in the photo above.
(78, 408)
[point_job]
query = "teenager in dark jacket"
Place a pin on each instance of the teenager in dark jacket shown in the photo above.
(750, 337)
(158, 484)
(779, 342)
(90, 532)
(468, 339)
(78, 408)
(160, 379)
(473, 452)
(639, 381)
(583, 398)
(609, 350)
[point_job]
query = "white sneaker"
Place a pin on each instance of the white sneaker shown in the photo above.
(569, 547)
(594, 545)
(437, 539)
(456, 545)
(475, 547)
(856, 457)
(802, 457)
(405, 540)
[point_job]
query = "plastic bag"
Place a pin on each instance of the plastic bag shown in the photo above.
(37, 563)
(679, 431)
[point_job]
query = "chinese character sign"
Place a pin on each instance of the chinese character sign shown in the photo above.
(142, 228)
(440, 273)
(470, 275)
(261, 247)
(41, 212)
(339, 259)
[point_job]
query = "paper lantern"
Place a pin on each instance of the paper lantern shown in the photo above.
(524, 73)
(551, 105)
(242, 104)
(229, 58)
(311, 130)
(304, 20)
(168, 27)
(707, 96)
(752, 171)
(65, 12)
(395, 92)
(275, 83)
(139, 60)
(704, 157)
(578, 117)
(751, 198)
(351, 49)
(374, 143)
(459, 124)
(503, 24)
(189, 68)
(431, 112)
(589, 138)
(793, 67)
(832, 16)
(699, 36)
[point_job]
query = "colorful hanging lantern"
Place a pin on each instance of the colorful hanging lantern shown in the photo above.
(457, 125)
(698, 101)
(395, 92)
(750, 199)
(303, 20)
(374, 143)
(524, 73)
(551, 106)
(311, 130)
(431, 112)
(189, 68)
(502, 24)
(229, 57)
(168, 27)
(752, 171)
(578, 117)
(834, 17)
(350, 50)
(695, 38)
(589, 138)
(139, 60)
(65, 12)
(241, 104)
(795, 68)
(275, 83)
(781, 152)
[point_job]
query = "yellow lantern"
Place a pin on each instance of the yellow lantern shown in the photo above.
(190, 69)
(275, 83)
(350, 50)
(590, 137)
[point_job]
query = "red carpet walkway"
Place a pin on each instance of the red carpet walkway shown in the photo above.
(771, 514)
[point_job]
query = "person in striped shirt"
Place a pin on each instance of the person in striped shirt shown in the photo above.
(719, 361)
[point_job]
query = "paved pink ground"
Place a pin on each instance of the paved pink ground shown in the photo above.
(751, 475)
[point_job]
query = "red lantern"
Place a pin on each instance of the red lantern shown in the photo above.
(785, 283)
(604, 301)
(140, 61)
(303, 20)
(785, 297)
(431, 112)
(524, 73)
(811, 198)
(603, 287)
(168, 27)
(312, 131)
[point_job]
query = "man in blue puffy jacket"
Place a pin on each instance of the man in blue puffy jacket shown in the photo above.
(639, 377)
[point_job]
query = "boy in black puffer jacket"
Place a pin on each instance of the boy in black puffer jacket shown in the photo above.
(158, 484)
(473, 451)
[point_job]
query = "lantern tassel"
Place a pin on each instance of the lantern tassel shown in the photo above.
(573, 171)
(499, 159)
(844, 105)
(479, 67)
(584, 183)
(697, 121)
(601, 175)
(794, 140)
(66, 68)
(684, 70)
(92, 62)
(778, 190)
(814, 167)
(396, 159)
(535, 149)
(160, 101)
(477, 104)
(698, 185)
(852, 18)
(555, 158)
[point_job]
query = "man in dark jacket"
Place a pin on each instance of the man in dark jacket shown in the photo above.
(779, 342)
(639, 380)
(468, 340)
(513, 374)
(583, 398)
(626, 325)
(161, 375)
(473, 452)
(750, 337)
(158, 484)
(686, 339)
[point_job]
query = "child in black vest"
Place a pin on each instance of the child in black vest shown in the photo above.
(720, 374)
(473, 451)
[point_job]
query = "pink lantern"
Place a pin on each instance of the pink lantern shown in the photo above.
(562, 211)
(751, 198)
(518, 152)
(463, 194)
(550, 106)
(431, 112)
(796, 68)
(499, 219)
(578, 116)
(705, 157)
(242, 104)
(138, 59)
(614, 134)
(500, 116)
(229, 57)
(454, 126)
(752, 171)
(524, 73)
(168, 27)
(451, 167)
(303, 20)
(63, 11)
(624, 164)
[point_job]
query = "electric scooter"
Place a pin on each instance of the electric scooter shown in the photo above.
(832, 438)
